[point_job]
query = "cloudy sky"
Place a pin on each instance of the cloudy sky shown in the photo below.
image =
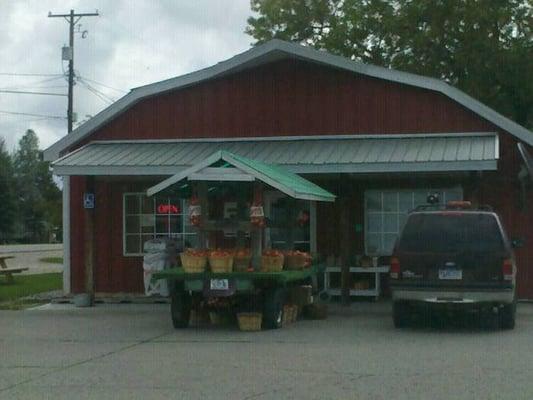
(131, 43)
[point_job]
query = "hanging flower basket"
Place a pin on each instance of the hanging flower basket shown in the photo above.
(257, 215)
(195, 212)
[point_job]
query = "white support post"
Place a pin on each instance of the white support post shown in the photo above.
(66, 235)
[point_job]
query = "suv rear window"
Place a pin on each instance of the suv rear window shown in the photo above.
(447, 232)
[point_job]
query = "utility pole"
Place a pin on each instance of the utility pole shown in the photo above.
(72, 18)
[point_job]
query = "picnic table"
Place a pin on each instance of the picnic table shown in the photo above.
(7, 271)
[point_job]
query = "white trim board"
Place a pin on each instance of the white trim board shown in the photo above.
(157, 170)
(276, 50)
(66, 235)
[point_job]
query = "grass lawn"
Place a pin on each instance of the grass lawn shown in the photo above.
(26, 285)
(52, 260)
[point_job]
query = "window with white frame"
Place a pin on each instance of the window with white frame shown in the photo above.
(290, 221)
(386, 212)
(147, 218)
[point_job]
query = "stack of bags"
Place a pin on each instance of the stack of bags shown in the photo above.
(158, 255)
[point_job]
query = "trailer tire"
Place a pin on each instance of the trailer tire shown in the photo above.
(180, 308)
(273, 308)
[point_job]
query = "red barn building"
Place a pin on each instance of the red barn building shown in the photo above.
(379, 139)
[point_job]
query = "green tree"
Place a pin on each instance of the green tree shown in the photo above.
(7, 195)
(483, 47)
(38, 196)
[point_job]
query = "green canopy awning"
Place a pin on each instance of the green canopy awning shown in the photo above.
(244, 169)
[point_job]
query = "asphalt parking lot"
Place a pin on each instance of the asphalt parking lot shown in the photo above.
(132, 352)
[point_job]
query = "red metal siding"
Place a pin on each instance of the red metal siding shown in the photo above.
(112, 271)
(501, 190)
(291, 98)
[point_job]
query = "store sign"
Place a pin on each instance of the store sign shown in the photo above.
(168, 209)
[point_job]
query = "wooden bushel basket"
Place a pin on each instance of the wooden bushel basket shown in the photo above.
(272, 263)
(221, 264)
(241, 264)
(290, 314)
(250, 321)
(295, 262)
(193, 264)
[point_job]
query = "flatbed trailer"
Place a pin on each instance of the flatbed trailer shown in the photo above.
(266, 290)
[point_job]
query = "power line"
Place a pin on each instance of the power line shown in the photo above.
(26, 85)
(111, 99)
(20, 74)
(97, 93)
(50, 87)
(31, 114)
(101, 84)
(105, 96)
(23, 121)
(20, 120)
(39, 93)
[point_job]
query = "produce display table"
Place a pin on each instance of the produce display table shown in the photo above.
(267, 290)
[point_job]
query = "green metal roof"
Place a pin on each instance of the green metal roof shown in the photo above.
(336, 154)
(301, 186)
(277, 177)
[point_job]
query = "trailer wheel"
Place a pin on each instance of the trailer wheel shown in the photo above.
(180, 308)
(273, 308)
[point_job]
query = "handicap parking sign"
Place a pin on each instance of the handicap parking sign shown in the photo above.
(88, 200)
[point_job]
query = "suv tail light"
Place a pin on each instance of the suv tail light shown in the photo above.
(507, 270)
(394, 268)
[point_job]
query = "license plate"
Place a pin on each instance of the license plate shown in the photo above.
(219, 284)
(451, 274)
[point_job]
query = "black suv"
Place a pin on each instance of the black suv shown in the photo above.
(453, 257)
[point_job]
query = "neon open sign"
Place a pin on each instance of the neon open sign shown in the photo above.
(168, 209)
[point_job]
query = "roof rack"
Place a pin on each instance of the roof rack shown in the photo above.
(453, 205)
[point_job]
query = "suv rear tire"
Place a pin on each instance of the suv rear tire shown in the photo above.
(508, 316)
(399, 314)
